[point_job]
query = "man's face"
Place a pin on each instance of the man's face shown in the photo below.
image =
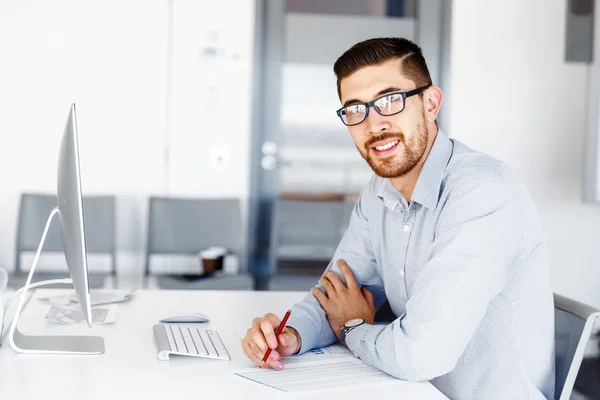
(392, 145)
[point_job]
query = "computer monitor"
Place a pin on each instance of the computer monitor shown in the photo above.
(70, 210)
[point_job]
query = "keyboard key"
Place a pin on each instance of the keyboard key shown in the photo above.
(199, 344)
(208, 343)
(179, 340)
(216, 340)
(170, 338)
(189, 342)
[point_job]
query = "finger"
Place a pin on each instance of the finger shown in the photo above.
(320, 296)
(269, 333)
(327, 285)
(257, 351)
(250, 351)
(274, 319)
(368, 296)
(259, 340)
(272, 362)
(348, 275)
(274, 356)
(335, 281)
(250, 354)
(285, 338)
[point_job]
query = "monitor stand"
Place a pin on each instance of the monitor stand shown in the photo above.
(38, 344)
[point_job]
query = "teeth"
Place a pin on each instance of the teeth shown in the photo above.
(387, 146)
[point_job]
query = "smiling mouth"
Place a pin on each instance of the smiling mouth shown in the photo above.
(387, 149)
(387, 146)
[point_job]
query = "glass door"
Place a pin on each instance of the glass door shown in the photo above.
(306, 171)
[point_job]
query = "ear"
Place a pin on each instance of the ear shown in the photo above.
(432, 101)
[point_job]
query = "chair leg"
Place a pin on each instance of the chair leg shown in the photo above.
(147, 272)
(17, 262)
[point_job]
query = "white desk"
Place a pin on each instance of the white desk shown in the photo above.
(130, 367)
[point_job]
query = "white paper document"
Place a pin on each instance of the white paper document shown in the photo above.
(97, 298)
(336, 350)
(332, 373)
(71, 315)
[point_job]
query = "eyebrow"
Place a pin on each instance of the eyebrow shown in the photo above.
(380, 93)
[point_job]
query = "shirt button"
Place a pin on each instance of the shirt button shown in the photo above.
(401, 272)
(406, 228)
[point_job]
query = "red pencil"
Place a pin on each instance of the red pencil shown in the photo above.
(281, 326)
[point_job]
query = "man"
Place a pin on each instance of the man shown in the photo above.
(448, 236)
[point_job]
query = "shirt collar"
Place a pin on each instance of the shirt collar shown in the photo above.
(390, 196)
(427, 189)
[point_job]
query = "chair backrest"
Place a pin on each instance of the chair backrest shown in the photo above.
(307, 228)
(573, 326)
(189, 225)
(99, 225)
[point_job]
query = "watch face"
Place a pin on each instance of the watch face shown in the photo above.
(354, 322)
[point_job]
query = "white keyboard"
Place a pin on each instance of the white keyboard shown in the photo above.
(188, 341)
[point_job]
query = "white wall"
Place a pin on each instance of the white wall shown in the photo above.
(111, 58)
(210, 103)
(114, 69)
(512, 95)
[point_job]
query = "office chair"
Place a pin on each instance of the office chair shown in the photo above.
(574, 323)
(305, 236)
(99, 220)
(187, 226)
(307, 230)
(573, 327)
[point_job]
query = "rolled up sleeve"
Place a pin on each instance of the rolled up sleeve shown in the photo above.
(307, 316)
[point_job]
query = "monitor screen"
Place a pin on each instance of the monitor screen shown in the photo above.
(70, 211)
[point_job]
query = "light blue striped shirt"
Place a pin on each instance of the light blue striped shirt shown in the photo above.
(464, 267)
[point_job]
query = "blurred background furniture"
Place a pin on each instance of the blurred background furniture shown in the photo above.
(188, 226)
(306, 233)
(574, 324)
(99, 219)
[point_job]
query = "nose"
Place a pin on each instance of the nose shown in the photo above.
(377, 123)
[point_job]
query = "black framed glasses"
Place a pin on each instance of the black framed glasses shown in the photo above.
(386, 105)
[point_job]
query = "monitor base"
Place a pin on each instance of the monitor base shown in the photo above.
(37, 344)
(43, 344)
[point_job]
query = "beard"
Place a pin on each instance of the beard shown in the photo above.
(391, 167)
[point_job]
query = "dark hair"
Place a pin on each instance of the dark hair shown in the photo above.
(379, 50)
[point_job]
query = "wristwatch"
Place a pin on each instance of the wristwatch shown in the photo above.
(348, 326)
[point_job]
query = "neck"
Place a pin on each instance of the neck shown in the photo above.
(406, 184)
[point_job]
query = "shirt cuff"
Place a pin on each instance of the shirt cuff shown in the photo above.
(306, 329)
(357, 336)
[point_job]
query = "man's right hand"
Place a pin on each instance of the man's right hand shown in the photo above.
(261, 336)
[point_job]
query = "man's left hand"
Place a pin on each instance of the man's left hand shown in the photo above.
(344, 302)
